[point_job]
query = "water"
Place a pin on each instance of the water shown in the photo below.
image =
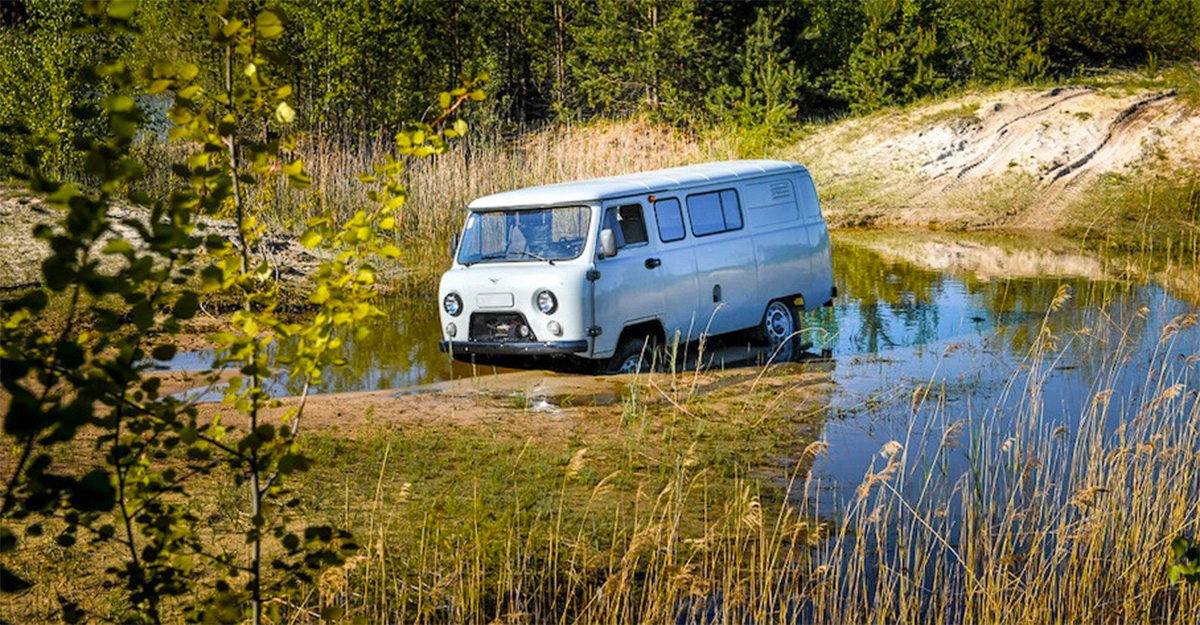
(926, 353)
(921, 318)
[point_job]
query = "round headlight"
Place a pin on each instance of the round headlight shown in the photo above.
(546, 302)
(451, 330)
(453, 304)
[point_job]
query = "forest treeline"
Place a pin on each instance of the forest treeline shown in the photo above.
(365, 66)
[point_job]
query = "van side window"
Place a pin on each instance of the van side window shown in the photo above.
(714, 212)
(627, 224)
(669, 214)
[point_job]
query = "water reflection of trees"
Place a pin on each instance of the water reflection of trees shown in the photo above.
(401, 350)
(900, 303)
(882, 291)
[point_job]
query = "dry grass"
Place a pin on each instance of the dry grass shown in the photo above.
(440, 188)
(1049, 524)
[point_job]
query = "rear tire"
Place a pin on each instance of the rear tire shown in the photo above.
(779, 323)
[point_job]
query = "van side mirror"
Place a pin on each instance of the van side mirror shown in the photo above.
(608, 243)
(453, 245)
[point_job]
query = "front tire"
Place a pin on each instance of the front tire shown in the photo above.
(632, 355)
(779, 323)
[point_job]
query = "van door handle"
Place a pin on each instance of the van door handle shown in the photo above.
(651, 263)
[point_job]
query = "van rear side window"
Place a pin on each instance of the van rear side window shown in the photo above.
(714, 212)
(669, 214)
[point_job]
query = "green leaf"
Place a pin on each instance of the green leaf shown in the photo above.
(300, 181)
(118, 246)
(8, 540)
(35, 301)
(10, 582)
(121, 10)
(460, 126)
(477, 95)
(158, 86)
(444, 100)
(293, 168)
(69, 354)
(232, 27)
(310, 238)
(188, 71)
(143, 315)
(94, 492)
(186, 306)
(389, 251)
(268, 25)
(164, 352)
(284, 113)
(1180, 545)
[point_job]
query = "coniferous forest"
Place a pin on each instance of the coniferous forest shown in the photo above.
(363, 66)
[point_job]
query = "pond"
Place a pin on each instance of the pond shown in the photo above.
(950, 347)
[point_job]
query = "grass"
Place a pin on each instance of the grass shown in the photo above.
(1153, 216)
(468, 523)
(684, 504)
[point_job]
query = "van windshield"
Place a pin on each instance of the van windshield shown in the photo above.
(547, 234)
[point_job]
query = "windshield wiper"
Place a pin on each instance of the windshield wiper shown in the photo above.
(500, 255)
(532, 255)
(492, 256)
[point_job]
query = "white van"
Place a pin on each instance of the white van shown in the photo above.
(595, 268)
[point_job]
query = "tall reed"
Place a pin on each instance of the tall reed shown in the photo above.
(1049, 522)
(441, 187)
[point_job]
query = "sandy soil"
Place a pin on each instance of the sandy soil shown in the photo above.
(21, 253)
(546, 406)
(1019, 158)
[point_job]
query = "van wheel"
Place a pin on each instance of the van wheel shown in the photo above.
(630, 356)
(779, 323)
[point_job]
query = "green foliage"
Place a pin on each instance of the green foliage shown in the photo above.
(362, 69)
(998, 41)
(896, 60)
(1119, 33)
(636, 56)
(765, 102)
(47, 102)
(1187, 561)
(89, 370)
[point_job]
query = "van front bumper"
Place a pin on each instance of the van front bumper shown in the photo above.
(498, 348)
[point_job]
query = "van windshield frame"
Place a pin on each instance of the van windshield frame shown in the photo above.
(530, 234)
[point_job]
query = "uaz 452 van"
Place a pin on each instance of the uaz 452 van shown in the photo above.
(595, 268)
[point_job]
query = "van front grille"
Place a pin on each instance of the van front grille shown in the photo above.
(502, 327)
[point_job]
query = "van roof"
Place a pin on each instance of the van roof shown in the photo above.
(599, 189)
